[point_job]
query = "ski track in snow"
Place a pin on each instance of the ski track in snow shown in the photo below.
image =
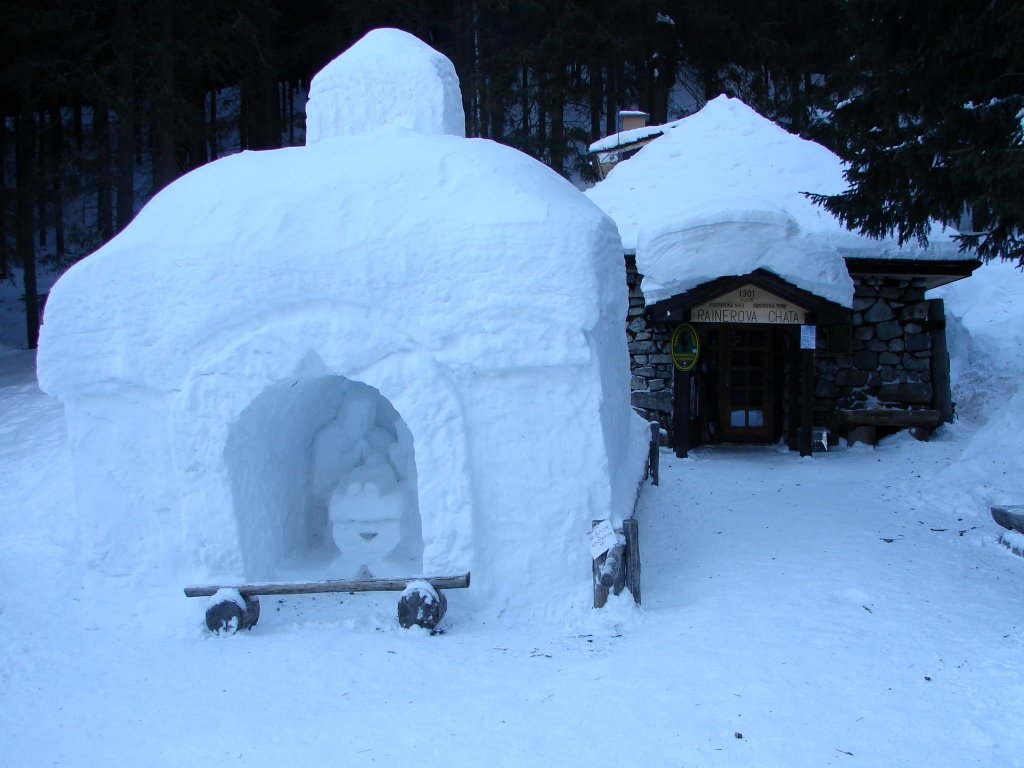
(775, 607)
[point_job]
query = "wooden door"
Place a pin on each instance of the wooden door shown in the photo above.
(746, 399)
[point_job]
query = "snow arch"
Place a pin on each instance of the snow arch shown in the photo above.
(271, 401)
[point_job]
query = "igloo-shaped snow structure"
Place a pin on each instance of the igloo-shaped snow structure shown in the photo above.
(394, 350)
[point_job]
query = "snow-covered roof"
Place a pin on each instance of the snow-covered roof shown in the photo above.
(722, 193)
(632, 136)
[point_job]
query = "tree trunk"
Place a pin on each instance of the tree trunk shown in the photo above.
(558, 145)
(56, 179)
(124, 34)
(104, 186)
(163, 96)
(594, 85)
(5, 269)
(25, 216)
(260, 116)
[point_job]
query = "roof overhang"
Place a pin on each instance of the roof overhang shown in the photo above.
(676, 309)
(934, 273)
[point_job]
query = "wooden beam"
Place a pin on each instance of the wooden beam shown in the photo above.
(806, 400)
(681, 412)
(312, 587)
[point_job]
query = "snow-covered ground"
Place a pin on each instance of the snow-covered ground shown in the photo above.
(853, 608)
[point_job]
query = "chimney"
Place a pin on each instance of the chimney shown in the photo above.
(630, 119)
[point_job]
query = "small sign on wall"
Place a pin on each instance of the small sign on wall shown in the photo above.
(684, 347)
(808, 336)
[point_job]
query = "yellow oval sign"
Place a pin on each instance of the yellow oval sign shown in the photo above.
(684, 347)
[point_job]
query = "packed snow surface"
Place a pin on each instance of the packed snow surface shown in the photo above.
(389, 78)
(393, 352)
(722, 193)
(850, 608)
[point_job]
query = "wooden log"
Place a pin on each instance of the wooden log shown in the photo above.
(611, 566)
(1010, 516)
(312, 587)
(421, 606)
(631, 529)
(228, 617)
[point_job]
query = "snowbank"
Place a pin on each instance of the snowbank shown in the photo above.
(985, 330)
(392, 333)
(722, 193)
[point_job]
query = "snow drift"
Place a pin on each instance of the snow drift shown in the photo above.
(394, 350)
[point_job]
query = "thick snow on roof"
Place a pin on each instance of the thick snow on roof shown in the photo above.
(392, 322)
(722, 193)
(633, 135)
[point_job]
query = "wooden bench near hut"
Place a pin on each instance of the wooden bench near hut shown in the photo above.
(421, 604)
(863, 425)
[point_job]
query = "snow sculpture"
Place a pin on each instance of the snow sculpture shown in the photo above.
(393, 350)
(364, 475)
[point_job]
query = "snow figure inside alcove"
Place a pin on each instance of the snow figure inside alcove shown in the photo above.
(364, 478)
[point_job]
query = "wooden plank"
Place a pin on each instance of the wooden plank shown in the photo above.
(312, 587)
(1010, 516)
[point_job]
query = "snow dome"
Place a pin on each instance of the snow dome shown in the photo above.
(394, 351)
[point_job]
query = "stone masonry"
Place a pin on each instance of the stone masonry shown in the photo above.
(650, 363)
(890, 365)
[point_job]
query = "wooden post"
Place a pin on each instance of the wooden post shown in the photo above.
(793, 392)
(600, 592)
(681, 412)
(655, 454)
(631, 529)
(806, 401)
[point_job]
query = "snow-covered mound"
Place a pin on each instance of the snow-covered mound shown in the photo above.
(985, 330)
(722, 193)
(392, 351)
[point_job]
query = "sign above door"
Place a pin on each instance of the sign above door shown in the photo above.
(749, 304)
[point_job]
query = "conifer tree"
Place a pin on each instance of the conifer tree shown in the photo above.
(930, 122)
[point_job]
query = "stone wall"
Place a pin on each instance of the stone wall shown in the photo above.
(890, 365)
(650, 363)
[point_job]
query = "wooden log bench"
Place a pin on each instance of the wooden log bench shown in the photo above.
(236, 607)
(861, 426)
